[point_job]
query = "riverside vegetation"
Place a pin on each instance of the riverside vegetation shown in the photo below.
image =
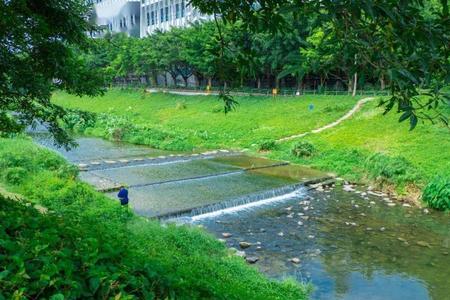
(80, 244)
(369, 147)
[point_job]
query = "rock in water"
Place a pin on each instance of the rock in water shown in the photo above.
(252, 259)
(295, 260)
(244, 245)
(240, 253)
(227, 235)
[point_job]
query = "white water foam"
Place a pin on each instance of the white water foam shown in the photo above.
(230, 210)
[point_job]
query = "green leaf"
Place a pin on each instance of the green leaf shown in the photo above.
(57, 297)
(412, 122)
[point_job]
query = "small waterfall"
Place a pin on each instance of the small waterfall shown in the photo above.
(238, 204)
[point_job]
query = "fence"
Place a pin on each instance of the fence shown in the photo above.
(246, 91)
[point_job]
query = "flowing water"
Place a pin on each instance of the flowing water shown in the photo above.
(349, 245)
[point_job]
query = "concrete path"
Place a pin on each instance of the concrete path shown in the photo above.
(350, 113)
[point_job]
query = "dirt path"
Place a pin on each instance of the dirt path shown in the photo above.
(350, 113)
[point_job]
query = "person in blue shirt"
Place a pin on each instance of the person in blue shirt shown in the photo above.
(123, 196)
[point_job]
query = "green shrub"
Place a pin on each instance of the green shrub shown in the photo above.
(78, 121)
(15, 175)
(267, 145)
(389, 169)
(437, 193)
(303, 149)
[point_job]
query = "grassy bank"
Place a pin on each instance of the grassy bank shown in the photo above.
(369, 147)
(87, 246)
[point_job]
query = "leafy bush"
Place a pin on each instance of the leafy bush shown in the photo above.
(266, 145)
(395, 169)
(78, 121)
(15, 175)
(303, 149)
(437, 193)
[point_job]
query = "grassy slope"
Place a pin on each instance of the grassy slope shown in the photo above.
(259, 118)
(256, 118)
(99, 250)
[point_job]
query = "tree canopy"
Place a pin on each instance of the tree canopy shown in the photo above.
(40, 42)
(406, 41)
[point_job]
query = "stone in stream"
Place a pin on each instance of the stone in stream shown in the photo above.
(319, 189)
(95, 163)
(110, 162)
(240, 254)
(391, 204)
(295, 260)
(382, 229)
(289, 208)
(406, 205)
(426, 211)
(280, 234)
(124, 161)
(311, 236)
(348, 188)
(244, 245)
(300, 223)
(226, 235)
(82, 166)
(252, 259)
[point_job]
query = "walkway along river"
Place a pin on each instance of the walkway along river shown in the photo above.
(348, 241)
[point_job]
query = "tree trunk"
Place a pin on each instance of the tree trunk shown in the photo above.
(382, 83)
(277, 83)
(185, 81)
(355, 84)
(299, 84)
(209, 82)
(165, 79)
(349, 85)
(258, 83)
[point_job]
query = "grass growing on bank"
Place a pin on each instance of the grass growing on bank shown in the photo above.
(199, 121)
(87, 246)
(368, 147)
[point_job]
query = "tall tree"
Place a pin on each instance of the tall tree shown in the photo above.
(39, 46)
(412, 46)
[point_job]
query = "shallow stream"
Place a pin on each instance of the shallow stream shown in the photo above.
(349, 245)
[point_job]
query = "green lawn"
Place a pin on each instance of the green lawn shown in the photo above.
(367, 147)
(200, 117)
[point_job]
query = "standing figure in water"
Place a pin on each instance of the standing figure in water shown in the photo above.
(123, 196)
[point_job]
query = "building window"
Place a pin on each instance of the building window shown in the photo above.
(177, 11)
(148, 18)
(153, 18)
(167, 13)
(161, 15)
(182, 8)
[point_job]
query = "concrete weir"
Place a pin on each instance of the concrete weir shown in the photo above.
(163, 184)
(181, 186)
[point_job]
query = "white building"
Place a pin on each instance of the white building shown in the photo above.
(118, 16)
(164, 14)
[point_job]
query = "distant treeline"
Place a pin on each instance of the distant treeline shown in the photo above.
(301, 57)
